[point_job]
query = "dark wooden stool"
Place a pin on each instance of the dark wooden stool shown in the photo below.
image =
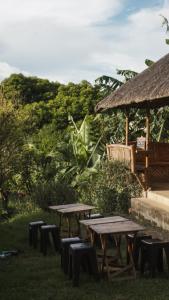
(65, 244)
(152, 253)
(78, 254)
(45, 231)
(135, 244)
(34, 227)
(94, 216)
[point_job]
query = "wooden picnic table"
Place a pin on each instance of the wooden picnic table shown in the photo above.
(61, 206)
(104, 220)
(112, 219)
(117, 229)
(67, 210)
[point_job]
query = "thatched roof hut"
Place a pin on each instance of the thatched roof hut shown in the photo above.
(149, 89)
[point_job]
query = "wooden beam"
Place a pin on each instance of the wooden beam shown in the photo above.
(127, 128)
(147, 146)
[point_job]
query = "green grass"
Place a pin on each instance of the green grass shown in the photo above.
(30, 276)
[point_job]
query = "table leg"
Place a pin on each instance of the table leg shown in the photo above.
(88, 235)
(60, 220)
(131, 264)
(78, 217)
(123, 269)
(103, 240)
(89, 213)
(117, 239)
(92, 236)
(60, 223)
(68, 219)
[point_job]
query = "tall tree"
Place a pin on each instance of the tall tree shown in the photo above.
(21, 89)
(11, 140)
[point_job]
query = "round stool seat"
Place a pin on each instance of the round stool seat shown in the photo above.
(46, 231)
(65, 244)
(47, 227)
(34, 228)
(152, 254)
(82, 254)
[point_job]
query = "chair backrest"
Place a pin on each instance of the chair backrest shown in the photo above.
(122, 153)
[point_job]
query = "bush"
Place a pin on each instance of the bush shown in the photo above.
(111, 189)
(22, 205)
(52, 193)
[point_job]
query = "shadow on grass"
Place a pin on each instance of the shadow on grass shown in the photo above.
(30, 276)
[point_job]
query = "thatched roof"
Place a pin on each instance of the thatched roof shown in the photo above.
(150, 88)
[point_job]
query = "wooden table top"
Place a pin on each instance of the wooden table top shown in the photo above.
(75, 209)
(117, 227)
(105, 220)
(62, 206)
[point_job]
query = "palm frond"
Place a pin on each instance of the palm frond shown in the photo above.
(128, 74)
(149, 62)
(108, 83)
(165, 22)
(84, 130)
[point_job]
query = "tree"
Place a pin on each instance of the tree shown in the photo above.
(11, 141)
(22, 90)
(76, 100)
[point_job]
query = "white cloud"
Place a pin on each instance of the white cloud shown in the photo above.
(71, 40)
(128, 45)
(6, 70)
(77, 12)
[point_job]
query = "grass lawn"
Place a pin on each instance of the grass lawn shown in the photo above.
(30, 276)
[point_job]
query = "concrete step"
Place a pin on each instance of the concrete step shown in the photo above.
(159, 196)
(152, 211)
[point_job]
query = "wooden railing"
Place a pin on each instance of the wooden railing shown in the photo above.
(123, 153)
(135, 159)
(159, 153)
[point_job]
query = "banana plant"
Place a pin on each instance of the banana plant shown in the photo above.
(149, 62)
(85, 152)
(108, 84)
(127, 74)
(165, 23)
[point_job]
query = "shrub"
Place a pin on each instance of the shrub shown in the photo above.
(111, 189)
(51, 193)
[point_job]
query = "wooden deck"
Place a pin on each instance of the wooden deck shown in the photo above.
(161, 187)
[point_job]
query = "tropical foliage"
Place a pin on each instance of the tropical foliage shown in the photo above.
(11, 140)
(57, 145)
(22, 90)
(108, 84)
(111, 189)
(52, 141)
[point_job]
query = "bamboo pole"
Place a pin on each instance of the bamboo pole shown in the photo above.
(127, 128)
(147, 128)
(147, 145)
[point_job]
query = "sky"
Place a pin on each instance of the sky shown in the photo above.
(73, 40)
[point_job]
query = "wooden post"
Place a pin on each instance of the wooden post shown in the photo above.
(127, 128)
(147, 128)
(147, 145)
